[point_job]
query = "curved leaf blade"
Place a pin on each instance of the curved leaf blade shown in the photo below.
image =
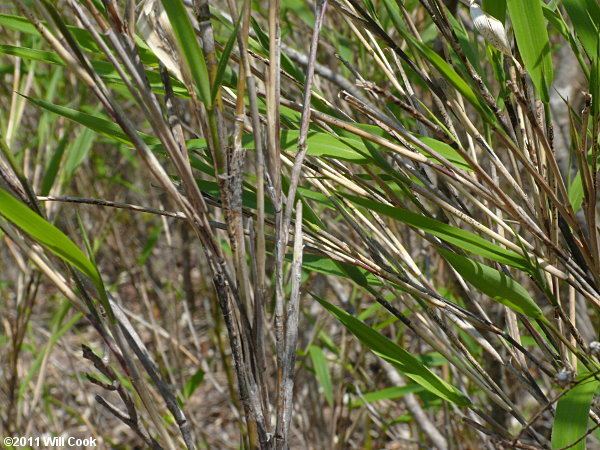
(49, 237)
(391, 393)
(494, 284)
(446, 151)
(222, 67)
(397, 356)
(585, 15)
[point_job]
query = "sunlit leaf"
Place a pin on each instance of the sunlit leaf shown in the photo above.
(50, 237)
(530, 29)
(494, 284)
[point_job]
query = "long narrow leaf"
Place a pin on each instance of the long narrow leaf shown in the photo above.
(322, 372)
(94, 122)
(528, 21)
(495, 284)
(224, 60)
(398, 357)
(572, 415)
(585, 15)
(190, 47)
(464, 239)
(391, 393)
(47, 235)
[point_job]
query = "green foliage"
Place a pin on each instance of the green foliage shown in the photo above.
(456, 236)
(585, 15)
(224, 61)
(406, 363)
(376, 223)
(192, 384)
(391, 393)
(531, 32)
(52, 238)
(497, 285)
(572, 414)
(496, 8)
(98, 124)
(322, 372)
(190, 48)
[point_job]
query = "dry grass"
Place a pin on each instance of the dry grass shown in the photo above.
(230, 180)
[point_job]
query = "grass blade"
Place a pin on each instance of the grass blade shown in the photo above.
(585, 15)
(456, 236)
(528, 21)
(192, 384)
(51, 238)
(322, 372)
(495, 284)
(223, 62)
(391, 393)
(572, 415)
(190, 48)
(398, 357)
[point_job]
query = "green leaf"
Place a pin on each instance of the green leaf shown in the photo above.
(446, 151)
(53, 166)
(496, 8)
(398, 357)
(395, 14)
(530, 29)
(112, 131)
(576, 192)
(322, 372)
(261, 46)
(190, 48)
(326, 145)
(18, 23)
(391, 393)
(321, 144)
(22, 24)
(78, 151)
(494, 284)
(224, 60)
(192, 384)
(448, 72)
(469, 47)
(464, 239)
(95, 123)
(595, 79)
(50, 237)
(585, 15)
(572, 415)
(33, 54)
(326, 265)
(102, 68)
(445, 69)
(82, 37)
